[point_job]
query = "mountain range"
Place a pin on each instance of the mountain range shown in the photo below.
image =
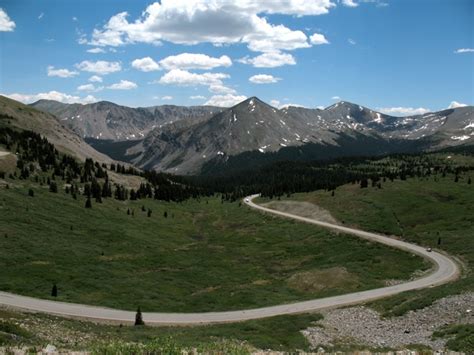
(186, 140)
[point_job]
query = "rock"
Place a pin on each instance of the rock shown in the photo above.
(50, 349)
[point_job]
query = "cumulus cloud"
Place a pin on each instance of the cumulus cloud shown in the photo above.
(96, 50)
(123, 85)
(349, 3)
(95, 79)
(464, 50)
(221, 89)
(52, 95)
(100, 67)
(225, 100)
(404, 111)
(318, 39)
(335, 98)
(40, 16)
(455, 104)
(194, 61)
(263, 79)
(275, 103)
(269, 60)
(185, 78)
(145, 64)
(89, 87)
(6, 25)
(217, 22)
(197, 97)
(351, 41)
(167, 98)
(62, 73)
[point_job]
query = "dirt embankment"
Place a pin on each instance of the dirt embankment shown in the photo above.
(303, 209)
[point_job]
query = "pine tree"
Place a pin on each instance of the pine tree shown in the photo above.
(53, 187)
(469, 181)
(31, 193)
(54, 291)
(149, 213)
(165, 214)
(139, 317)
(88, 203)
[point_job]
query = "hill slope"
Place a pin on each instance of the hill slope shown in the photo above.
(24, 117)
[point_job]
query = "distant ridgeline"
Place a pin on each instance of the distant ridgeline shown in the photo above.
(39, 160)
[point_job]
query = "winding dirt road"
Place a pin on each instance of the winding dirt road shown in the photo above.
(445, 270)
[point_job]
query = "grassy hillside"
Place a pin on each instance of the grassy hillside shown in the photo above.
(205, 256)
(420, 210)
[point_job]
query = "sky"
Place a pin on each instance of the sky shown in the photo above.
(397, 56)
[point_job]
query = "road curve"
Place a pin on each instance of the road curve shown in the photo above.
(445, 270)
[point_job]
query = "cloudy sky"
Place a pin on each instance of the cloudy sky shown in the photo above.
(398, 56)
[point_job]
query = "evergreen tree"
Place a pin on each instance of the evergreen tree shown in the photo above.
(31, 193)
(139, 317)
(53, 187)
(364, 183)
(469, 181)
(88, 203)
(54, 291)
(165, 214)
(149, 213)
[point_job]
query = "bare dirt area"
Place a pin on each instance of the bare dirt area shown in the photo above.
(303, 209)
(364, 326)
(318, 280)
(7, 162)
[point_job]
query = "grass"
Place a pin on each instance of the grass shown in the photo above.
(419, 210)
(461, 337)
(277, 333)
(206, 256)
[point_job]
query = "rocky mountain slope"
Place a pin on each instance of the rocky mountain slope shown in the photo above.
(256, 126)
(21, 116)
(106, 120)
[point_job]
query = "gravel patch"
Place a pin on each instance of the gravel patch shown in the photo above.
(363, 325)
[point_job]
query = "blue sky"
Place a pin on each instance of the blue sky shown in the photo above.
(398, 56)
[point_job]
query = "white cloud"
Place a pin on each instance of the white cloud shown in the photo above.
(455, 104)
(404, 111)
(351, 41)
(74, 18)
(95, 79)
(349, 3)
(225, 100)
(197, 97)
(123, 85)
(335, 98)
(186, 78)
(270, 60)
(40, 16)
(100, 67)
(6, 25)
(52, 95)
(318, 39)
(263, 79)
(167, 98)
(221, 89)
(62, 73)
(194, 61)
(96, 50)
(275, 103)
(90, 88)
(217, 22)
(291, 105)
(464, 50)
(145, 64)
